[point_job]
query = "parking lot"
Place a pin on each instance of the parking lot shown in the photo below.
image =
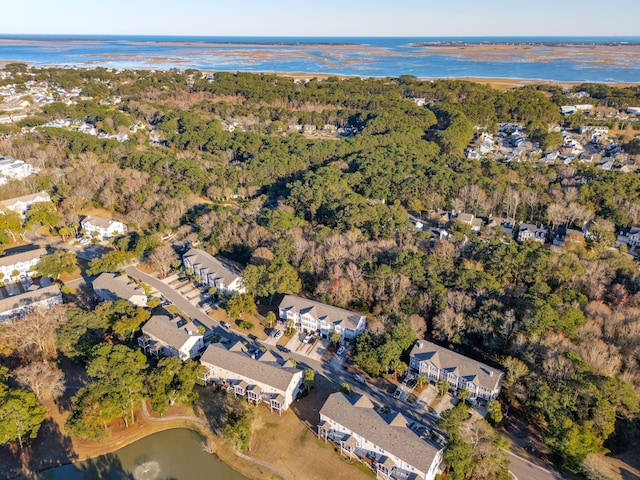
(314, 350)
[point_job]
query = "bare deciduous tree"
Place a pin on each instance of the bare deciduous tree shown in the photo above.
(35, 335)
(42, 379)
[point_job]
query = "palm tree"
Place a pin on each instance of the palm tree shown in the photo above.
(421, 380)
(443, 387)
(335, 337)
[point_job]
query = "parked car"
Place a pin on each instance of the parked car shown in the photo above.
(283, 349)
(225, 325)
(308, 339)
(278, 334)
(341, 350)
(359, 379)
(397, 393)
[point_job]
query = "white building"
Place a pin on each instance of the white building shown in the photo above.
(528, 231)
(213, 272)
(23, 263)
(109, 286)
(438, 363)
(102, 228)
(24, 303)
(399, 452)
(22, 204)
(15, 169)
(312, 316)
(262, 380)
(162, 335)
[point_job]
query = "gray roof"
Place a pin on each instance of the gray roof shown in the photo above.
(211, 266)
(466, 217)
(235, 360)
(119, 285)
(99, 221)
(321, 311)
(28, 298)
(445, 359)
(168, 332)
(26, 199)
(361, 418)
(535, 229)
(27, 256)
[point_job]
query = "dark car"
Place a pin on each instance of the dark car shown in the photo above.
(283, 349)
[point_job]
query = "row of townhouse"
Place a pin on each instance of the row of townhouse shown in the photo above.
(398, 449)
(20, 265)
(12, 169)
(21, 204)
(43, 295)
(438, 363)
(315, 317)
(111, 286)
(262, 380)
(213, 272)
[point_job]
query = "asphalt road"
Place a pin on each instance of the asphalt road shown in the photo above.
(522, 469)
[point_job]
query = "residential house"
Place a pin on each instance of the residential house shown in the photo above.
(471, 220)
(111, 286)
(629, 236)
(634, 110)
(561, 235)
(22, 204)
(398, 448)
(15, 169)
(508, 224)
(171, 337)
(262, 380)
(528, 231)
(102, 228)
(213, 272)
(438, 363)
(42, 296)
(20, 265)
(312, 316)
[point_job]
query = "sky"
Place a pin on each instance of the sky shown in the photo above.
(322, 17)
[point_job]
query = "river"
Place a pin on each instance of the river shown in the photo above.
(171, 454)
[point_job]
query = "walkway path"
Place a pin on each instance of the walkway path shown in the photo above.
(204, 423)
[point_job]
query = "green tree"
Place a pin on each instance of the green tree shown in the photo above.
(309, 377)
(335, 337)
(443, 387)
(21, 415)
(129, 323)
(240, 303)
(173, 381)
(495, 411)
(57, 263)
(238, 428)
(271, 319)
(109, 262)
(421, 380)
(43, 213)
(11, 223)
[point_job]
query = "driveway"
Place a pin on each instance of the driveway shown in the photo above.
(174, 297)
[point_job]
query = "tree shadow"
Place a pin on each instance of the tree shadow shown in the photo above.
(52, 448)
(107, 467)
(215, 405)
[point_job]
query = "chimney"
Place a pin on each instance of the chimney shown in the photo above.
(491, 373)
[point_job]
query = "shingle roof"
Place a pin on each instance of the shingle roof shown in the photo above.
(120, 285)
(43, 196)
(211, 266)
(363, 419)
(99, 221)
(462, 366)
(28, 298)
(168, 332)
(233, 360)
(321, 311)
(27, 256)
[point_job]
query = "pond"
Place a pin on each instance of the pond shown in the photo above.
(176, 454)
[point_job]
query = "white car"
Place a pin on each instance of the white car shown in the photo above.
(359, 379)
(278, 334)
(341, 350)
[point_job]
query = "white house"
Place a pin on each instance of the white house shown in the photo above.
(22, 204)
(471, 220)
(102, 228)
(23, 263)
(38, 296)
(629, 236)
(213, 272)
(398, 452)
(262, 380)
(528, 231)
(162, 335)
(438, 363)
(311, 316)
(15, 169)
(109, 286)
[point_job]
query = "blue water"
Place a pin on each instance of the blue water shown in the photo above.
(359, 56)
